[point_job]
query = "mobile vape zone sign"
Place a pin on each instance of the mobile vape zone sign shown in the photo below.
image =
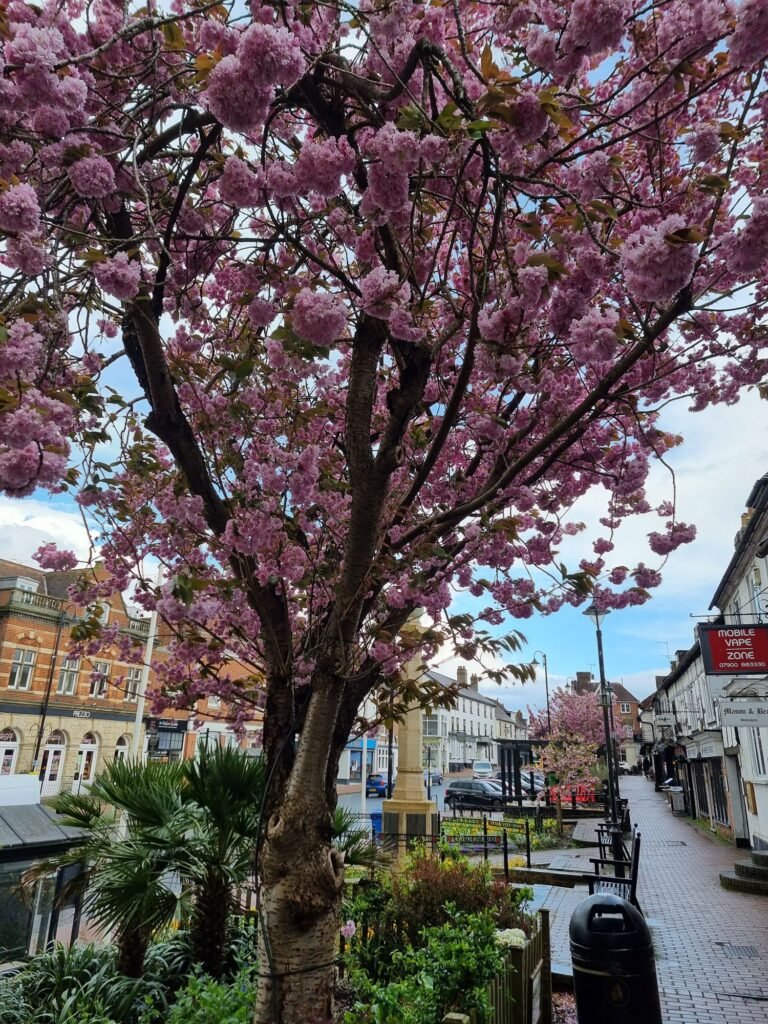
(734, 650)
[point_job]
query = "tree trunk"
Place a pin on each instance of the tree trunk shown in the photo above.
(132, 945)
(559, 811)
(210, 921)
(301, 883)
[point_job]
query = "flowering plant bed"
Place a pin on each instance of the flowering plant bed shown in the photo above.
(442, 936)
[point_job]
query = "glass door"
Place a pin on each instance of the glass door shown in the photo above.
(50, 770)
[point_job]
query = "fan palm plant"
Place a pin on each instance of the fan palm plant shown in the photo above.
(226, 790)
(132, 822)
(165, 842)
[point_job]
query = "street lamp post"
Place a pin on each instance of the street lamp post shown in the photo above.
(617, 846)
(546, 685)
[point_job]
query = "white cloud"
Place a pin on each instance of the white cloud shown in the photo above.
(27, 523)
(724, 452)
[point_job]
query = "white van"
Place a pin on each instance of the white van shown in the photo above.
(482, 769)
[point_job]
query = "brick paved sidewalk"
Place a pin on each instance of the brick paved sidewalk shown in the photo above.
(711, 944)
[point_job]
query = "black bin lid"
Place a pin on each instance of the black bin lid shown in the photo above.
(605, 921)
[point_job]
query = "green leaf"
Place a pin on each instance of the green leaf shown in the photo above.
(713, 183)
(174, 37)
(552, 263)
(685, 236)
(410, 118)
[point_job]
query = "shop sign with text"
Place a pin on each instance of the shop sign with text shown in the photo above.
(742, 714)
(734, 650)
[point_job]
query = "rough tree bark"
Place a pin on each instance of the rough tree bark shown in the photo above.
(301, 878)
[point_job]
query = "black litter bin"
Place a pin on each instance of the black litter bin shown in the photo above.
(614, 973)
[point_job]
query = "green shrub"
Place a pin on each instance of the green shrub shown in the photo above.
(79, 986)
(392, 912)
(14, 1009)
(206, 1001)
(448, 971)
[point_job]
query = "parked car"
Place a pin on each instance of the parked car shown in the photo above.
(376, 785)
(626, 768)
(539, 783)
(482, 769)
(480, 795)
(436, 779)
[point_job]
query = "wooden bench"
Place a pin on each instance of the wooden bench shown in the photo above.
(606, 879)
(605, 841)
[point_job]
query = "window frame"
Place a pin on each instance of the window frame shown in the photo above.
(103, 684)
(131, 694)
(21, 667)
(74, 673)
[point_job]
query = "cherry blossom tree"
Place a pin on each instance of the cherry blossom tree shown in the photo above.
(572, 741)
(336, 308)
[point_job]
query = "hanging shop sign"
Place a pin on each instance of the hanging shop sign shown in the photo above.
(742, 714)
(734, 650)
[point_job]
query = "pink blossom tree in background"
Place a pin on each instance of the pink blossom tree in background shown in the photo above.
(333, 309)
(572, 742)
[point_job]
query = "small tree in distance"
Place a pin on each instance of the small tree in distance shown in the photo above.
(572, 742)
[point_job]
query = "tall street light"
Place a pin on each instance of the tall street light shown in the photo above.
(617, 848)
(546, 684)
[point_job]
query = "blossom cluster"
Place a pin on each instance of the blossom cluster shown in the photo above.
(240, 87)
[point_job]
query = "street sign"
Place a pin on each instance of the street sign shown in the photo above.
(743, 714)
(664, 718)
(734, 650)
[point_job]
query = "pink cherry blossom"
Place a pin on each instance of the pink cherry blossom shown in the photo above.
(270, 55)
(748, 248)
(238, 184)
(321, 164)
(234, 98)
(92, 177)
(119, 276)
(675, 535)
(50, 557)
(21, 352)
(749, 42)
(27, 255)
(19, 209)
(593, 338)
(261, 313)
(387, 327)
(655, 268)
(381, 290)
(30, 44)
(320, 317)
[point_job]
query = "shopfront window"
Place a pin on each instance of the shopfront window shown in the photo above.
(9, 751)
(719, 801)
(87, 755)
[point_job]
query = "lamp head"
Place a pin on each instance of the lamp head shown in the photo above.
(596, 614)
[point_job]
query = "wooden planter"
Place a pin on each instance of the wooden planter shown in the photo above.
(521, 993)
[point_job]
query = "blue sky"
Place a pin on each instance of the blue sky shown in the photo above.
(725, 452)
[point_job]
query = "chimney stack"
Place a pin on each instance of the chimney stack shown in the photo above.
(473, 682)
(461, 676)
(583, 682)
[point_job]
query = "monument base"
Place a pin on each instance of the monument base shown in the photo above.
(405, 822)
